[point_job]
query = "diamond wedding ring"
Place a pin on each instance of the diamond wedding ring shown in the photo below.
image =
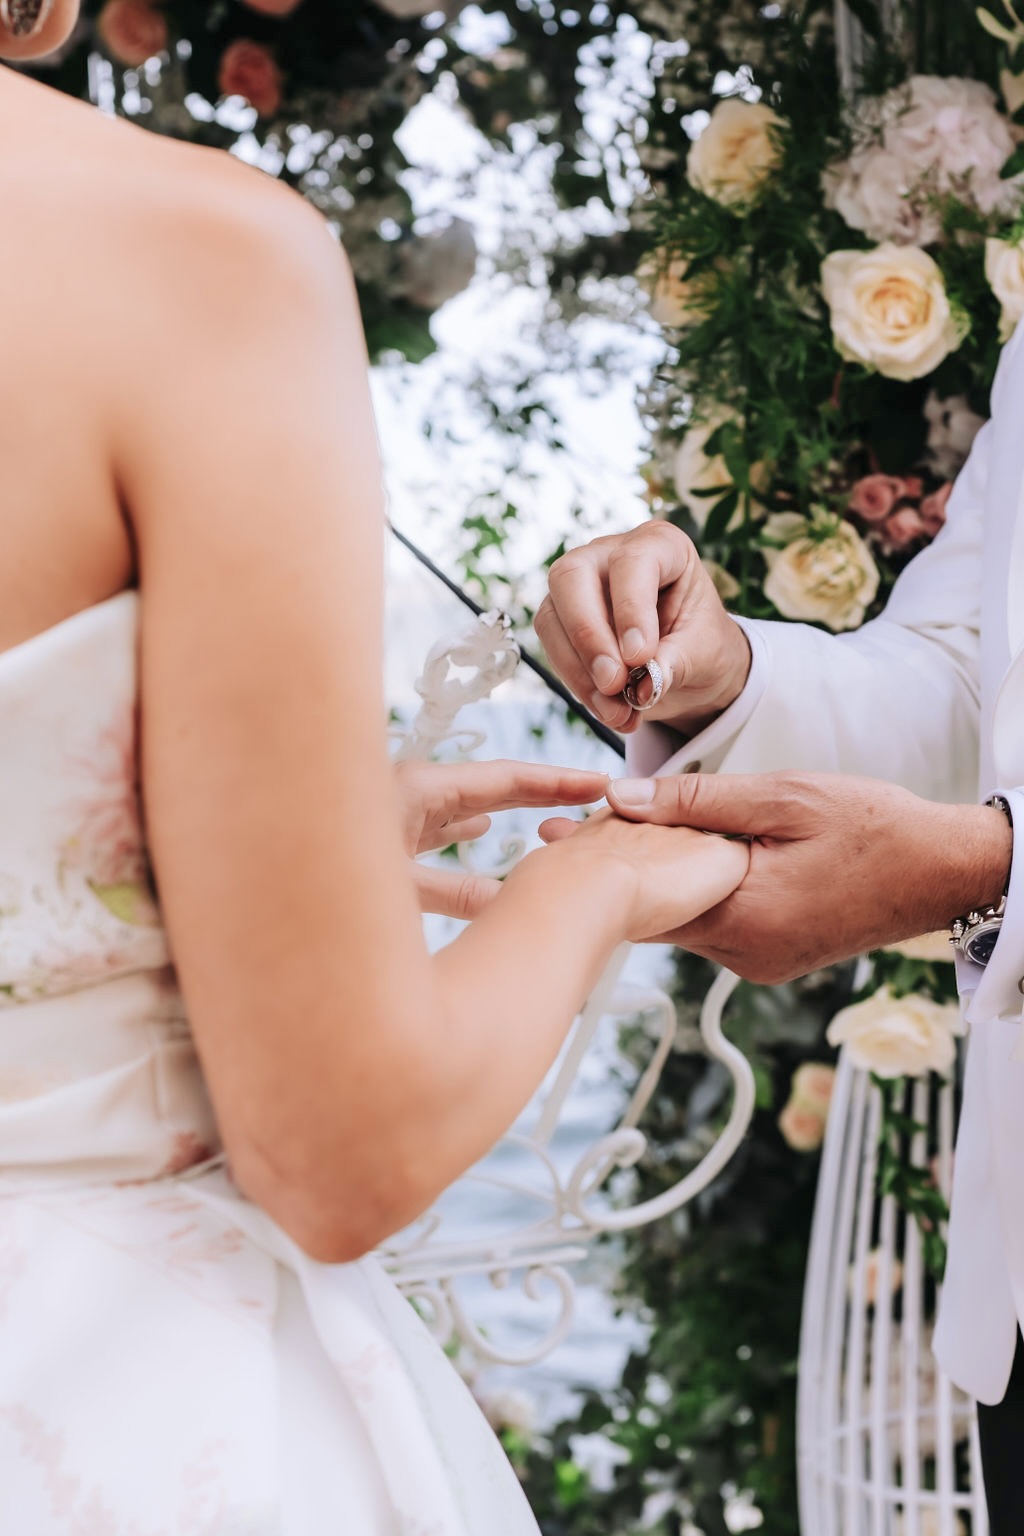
(631, 692)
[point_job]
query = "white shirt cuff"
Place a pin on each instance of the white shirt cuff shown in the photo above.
(657, 749)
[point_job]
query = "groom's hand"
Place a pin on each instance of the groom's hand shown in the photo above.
(838, 865)
(620, 601)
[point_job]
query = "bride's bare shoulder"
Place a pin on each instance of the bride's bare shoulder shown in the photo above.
(145, 212)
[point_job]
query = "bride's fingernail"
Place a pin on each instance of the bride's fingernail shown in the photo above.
(23, 17)
(634, 791)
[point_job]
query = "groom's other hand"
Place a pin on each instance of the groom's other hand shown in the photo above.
(838, 865)
(621, 601)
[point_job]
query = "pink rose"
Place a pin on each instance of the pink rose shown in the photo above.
(802, 1127)
(902, 528)
(249, 69)
(933, 508)
(132, 31)
(273, 7)
(875, 496)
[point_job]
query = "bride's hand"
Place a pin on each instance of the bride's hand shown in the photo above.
(667, 882)
(445, 803)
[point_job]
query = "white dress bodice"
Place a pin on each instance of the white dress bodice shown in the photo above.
(171, 1364)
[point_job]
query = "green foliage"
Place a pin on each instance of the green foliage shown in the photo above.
(709, 1403)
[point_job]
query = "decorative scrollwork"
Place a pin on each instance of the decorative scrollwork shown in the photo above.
(569, 1205)
(459, 670)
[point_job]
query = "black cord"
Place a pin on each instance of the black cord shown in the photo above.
(555, 684)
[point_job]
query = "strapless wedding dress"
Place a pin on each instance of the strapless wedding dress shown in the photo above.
(171, 1364)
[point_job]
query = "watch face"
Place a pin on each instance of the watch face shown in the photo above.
(980, 945)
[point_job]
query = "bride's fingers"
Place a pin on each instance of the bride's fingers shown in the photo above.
(558, 827)
(464, 830)
(459, 790)
(453, 893)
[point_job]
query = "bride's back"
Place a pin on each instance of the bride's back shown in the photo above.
(103, 224)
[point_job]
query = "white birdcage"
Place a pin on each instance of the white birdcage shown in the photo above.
(567, 1196)
(888, 1446)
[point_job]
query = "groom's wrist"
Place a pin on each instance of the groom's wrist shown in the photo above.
(694, 709)
(973, 862)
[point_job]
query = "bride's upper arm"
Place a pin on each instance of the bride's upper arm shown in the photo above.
(250, 474)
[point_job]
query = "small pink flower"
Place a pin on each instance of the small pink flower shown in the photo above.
(802, 1126)
(933, 508)
(250, 70)
(912, 488)
(901, 528)
(875, 496)
(132, 31)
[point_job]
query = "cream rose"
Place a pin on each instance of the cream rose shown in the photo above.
(737, 153)
(1004, 269)
(673, 298)
(824, 573)
(724, 584)
(693, 469)
(898, 1036)
(929, 946)
(890, 310)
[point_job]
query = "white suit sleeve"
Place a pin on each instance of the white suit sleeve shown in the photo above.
(897, 699)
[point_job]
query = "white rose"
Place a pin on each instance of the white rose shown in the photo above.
(1004, 269)
(737, 153)
(827, 576)
(952, 428)
(693, 469)
(890, 310)
(898, 1036)
(724, 584)
(929, 946)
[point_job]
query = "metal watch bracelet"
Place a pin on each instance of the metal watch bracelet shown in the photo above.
(975, 934)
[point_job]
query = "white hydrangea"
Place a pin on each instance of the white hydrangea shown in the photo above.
(918, 143)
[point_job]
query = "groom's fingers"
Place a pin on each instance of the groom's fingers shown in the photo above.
(752, 805)
(612, 709)
(637, 570)
(579, 602)
(453, 893)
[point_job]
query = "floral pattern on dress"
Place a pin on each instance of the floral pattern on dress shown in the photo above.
(149, 1323)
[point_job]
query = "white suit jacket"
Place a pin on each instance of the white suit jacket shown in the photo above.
(929, 695)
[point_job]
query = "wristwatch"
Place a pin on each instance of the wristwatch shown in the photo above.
(975, 934)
